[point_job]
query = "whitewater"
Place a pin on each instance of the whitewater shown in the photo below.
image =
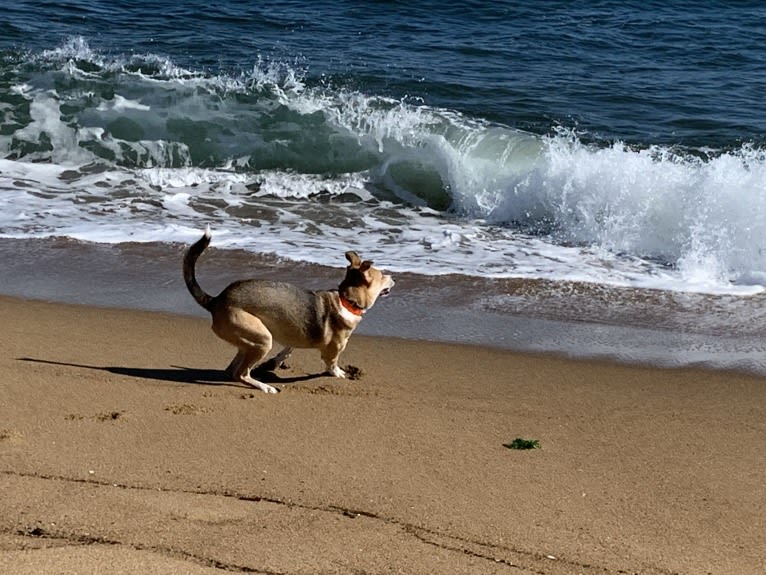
(111, 149)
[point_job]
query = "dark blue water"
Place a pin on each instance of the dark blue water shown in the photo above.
(670, 73)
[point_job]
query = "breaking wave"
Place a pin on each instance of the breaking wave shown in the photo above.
(139, 135)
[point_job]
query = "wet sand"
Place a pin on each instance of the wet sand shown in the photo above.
(122, 445)
(576, 320)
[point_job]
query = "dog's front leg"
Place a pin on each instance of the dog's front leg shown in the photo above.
(331, 355)
(277, 361)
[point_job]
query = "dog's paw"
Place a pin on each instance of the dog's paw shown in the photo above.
(264, 387)
(336, 371)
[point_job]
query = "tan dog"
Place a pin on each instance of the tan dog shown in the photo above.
(252, 314)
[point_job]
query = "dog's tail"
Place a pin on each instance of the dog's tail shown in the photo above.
(190, 260)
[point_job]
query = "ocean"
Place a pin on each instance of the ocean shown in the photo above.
(582, 178)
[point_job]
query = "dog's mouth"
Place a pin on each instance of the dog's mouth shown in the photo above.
(385, 292)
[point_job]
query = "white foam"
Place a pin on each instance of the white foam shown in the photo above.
(120, 104)
(46, 123)
(400, 238)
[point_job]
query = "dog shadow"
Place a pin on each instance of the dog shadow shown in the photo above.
(188, 375)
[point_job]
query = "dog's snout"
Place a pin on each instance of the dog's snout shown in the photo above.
(389, 283)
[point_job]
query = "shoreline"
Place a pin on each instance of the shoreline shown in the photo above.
(630, 326)
(122, 444)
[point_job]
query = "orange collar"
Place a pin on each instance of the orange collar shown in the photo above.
(351, 306)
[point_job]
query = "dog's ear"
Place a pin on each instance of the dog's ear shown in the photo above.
(365, 265)
(354, 259)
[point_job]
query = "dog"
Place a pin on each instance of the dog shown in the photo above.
(253, 314)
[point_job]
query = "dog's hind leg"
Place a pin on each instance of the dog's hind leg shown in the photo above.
(243, 374)
(251, 337)
(234, 365)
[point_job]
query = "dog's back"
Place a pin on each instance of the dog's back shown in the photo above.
(295, 317)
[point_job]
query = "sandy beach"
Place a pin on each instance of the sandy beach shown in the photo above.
(123, 447)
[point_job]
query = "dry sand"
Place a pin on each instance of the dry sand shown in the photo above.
(123, 450)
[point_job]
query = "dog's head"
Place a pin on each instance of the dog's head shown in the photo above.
(363, 283)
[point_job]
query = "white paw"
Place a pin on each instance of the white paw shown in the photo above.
(265, 387)
(336, 371)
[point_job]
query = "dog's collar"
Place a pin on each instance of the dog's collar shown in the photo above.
(351, 306)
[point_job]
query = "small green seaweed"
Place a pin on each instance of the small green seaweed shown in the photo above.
(520, 443)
